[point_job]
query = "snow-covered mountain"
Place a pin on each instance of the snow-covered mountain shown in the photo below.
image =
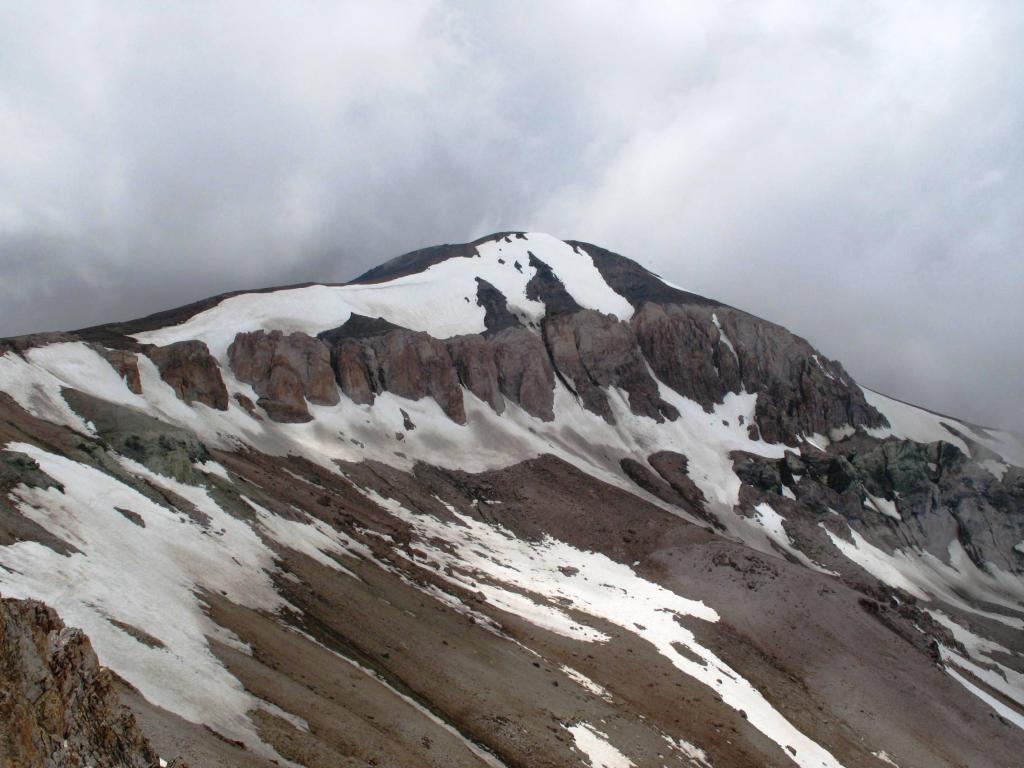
(518, 502)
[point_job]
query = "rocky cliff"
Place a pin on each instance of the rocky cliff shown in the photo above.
(58, 707)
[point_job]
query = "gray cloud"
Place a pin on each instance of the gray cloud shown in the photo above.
(851, 170)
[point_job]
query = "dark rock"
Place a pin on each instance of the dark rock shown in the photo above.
(637, 284)
(58, 707)
(545, 287)
(189, 368)
(706, 352)
(358, 327)
(20, 469)
(133, 517)
(650, 482)
(406, 421)
(592, 351)
(672, 467)
(418, 261)
(497, 316)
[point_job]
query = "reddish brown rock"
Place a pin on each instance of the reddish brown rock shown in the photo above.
(192, 372)
(248, 405)
(285, 371)
(414, 365)
(354, 365)
(511, 364)
(58, 707)
(125, 363)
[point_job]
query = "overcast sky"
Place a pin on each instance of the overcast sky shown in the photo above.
(853, 170)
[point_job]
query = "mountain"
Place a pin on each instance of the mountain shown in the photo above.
(517, 502)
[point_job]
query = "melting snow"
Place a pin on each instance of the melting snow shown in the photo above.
(585, 682)
(477, 556)
(147, 577)
(597, 748)
(1001, 709)
(885, 507)
(694, 753)
(722, 335)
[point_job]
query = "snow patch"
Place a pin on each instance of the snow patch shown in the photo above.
(885, 507)
(595, 745)
(585, 682)
(481, 557)
(146, 577)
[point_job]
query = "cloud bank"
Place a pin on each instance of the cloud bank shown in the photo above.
(852, 170)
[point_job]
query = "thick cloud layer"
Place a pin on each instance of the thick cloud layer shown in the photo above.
(851, 170)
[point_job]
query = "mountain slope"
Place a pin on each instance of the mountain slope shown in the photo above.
(515, 502)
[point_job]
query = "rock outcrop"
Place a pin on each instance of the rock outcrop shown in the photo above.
(192, 372)
(593, 351)
(58, 707)
(125, 362)
(706, 352)
(370, 357)
(905, 494)
(511, 364)
(285, 371)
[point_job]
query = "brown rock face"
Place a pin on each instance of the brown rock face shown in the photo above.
(407, 363)
(799, 391)
(414, 365)
(355, 365)
(126, 364)
(511, 364)
(525, 375)
(285, 371)
(191, 370)
(593, 351)
(58, 707)
(474, 361)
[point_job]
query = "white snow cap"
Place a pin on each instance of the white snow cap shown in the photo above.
(440, 300)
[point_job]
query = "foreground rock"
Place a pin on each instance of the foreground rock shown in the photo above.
(57, 705)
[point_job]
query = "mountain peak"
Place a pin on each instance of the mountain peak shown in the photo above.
(524, 473)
